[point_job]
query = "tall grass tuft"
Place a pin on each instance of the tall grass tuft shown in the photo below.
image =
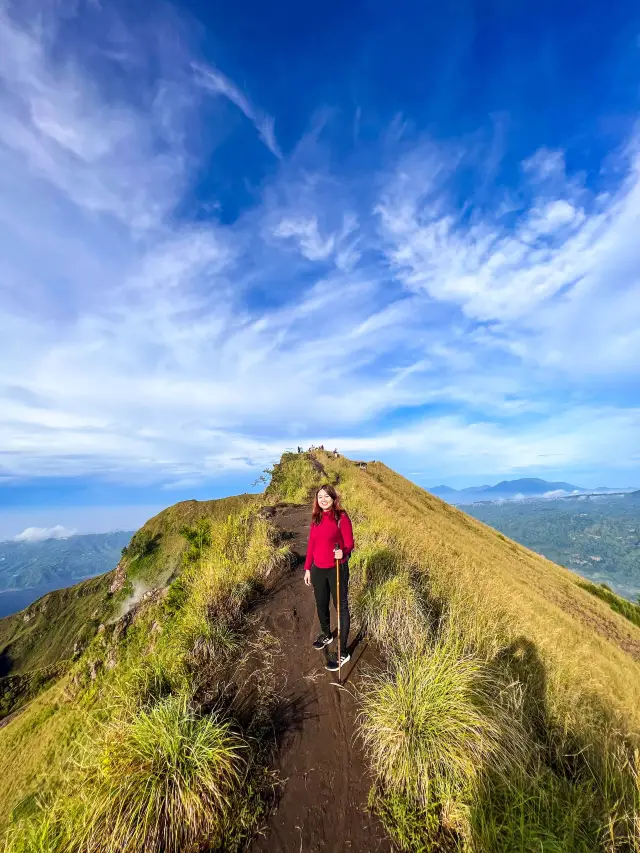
(165, 780)
(432, 726)
(392, 613)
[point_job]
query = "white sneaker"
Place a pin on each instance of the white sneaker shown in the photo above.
(332, 663)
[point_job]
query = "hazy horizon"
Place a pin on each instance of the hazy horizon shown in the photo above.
(107, 519)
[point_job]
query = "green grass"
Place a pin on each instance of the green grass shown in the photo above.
(158, 564)
(18, 690)
(54, 624)
(164, 780)
(36, 746)
(616, 602)
(540, 813)
(434, 722)
(166, 772)
(504, 718)
(61, 624)
(413, 828)
(391, 610)
(294, 478)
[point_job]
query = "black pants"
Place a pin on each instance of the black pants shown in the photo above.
(324, 584)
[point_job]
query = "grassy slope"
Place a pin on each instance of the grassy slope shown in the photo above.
(54, 623)
(499, 660)
(501, 590)
(158, 567)
(498, 595)
(616, 602)
(36, 743)
(61, 618)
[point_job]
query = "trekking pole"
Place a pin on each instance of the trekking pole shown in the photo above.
(337, 546)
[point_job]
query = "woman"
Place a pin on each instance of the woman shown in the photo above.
(330, 539)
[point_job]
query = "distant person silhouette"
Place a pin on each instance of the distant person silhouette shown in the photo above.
(330, 527)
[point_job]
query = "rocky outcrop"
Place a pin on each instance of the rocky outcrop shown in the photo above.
(119, 578)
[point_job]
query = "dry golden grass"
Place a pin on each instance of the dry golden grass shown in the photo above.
(434, 721)
(498, 593)
(569, 667)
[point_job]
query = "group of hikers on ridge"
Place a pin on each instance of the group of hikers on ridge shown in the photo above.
(326, 569)
(335, 453)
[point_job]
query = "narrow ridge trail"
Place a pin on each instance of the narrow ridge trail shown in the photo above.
(322, 805)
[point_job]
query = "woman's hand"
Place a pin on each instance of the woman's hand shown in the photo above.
(307, 577)
(337, 553)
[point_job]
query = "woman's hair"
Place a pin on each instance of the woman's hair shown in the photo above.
(316, 513)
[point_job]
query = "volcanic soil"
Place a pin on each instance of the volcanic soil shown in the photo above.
(321, 805)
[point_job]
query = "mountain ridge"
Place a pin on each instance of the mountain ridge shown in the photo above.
(526, 650)
(506, 489)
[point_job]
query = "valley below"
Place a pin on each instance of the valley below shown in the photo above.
(595, 536)
(29, 570)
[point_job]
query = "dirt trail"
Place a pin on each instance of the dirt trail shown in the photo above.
(322, 805)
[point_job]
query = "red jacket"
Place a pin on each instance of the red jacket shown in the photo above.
(323, 537)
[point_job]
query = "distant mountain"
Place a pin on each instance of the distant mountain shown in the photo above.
(32, 564)
(597, 536)
(443, 490)
(528, 487)
(531, 486)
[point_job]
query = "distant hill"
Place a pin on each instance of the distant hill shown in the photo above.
(505, 490)
(32, 564)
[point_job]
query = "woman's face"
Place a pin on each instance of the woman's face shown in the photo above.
(324, 499)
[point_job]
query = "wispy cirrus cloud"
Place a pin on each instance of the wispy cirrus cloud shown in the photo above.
(101, 156)
(557, 274)
(217, 83)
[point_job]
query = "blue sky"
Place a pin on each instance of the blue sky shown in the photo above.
(228, 229)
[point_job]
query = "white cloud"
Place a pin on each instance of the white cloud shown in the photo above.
(560, 288)
(39, 534)
(341, 245)
(452, 446)
(147, 345)
(311, 244)
(83, 519)
(552, 217)
(100, 154)
(216, 82)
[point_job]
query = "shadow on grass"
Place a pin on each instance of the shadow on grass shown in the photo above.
(520, 661)
(6, 664)
(569, 791)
